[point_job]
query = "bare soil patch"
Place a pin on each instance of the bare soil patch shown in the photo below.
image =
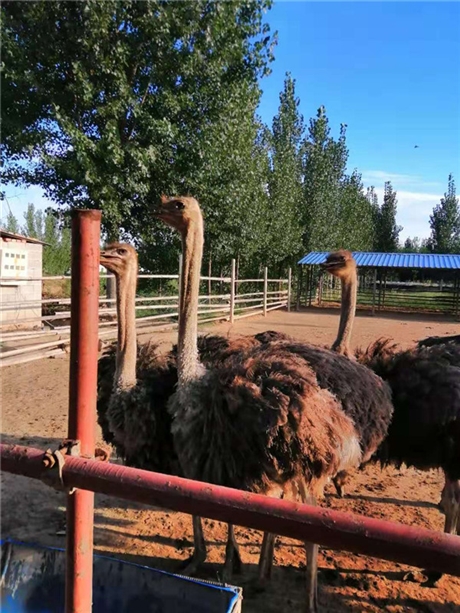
(34, 412)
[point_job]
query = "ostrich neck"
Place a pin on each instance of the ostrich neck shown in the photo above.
(125, 374)
(347, 313)
(188, 364)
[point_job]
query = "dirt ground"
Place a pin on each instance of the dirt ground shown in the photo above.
(34, 412)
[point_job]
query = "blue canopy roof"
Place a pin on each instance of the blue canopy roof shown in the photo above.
(393, 260)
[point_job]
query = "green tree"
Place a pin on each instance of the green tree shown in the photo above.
(57, 252)
(12, 224)
(49, 227)
(112, 103)
(284, 230)
(445, 222)
(373, 200)
(33, 225)
(356, 215)
(387, 229)
(412, 245)
(325, 161)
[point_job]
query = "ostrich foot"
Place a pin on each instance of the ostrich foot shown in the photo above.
(254, 587)
(192, 564)
(339, 482)
(233, 562)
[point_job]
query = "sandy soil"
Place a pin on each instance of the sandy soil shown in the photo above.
(34, 401)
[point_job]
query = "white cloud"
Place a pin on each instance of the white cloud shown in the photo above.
(414, 210)
(375, 177)
(415, 205)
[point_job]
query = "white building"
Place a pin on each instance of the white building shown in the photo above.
(21, 260)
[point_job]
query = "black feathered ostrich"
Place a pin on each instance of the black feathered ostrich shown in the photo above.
(430, 341)
(263, 421)
(425, 384)
(363, 395)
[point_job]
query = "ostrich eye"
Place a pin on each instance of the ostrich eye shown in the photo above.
(180, 206)
(122, 251)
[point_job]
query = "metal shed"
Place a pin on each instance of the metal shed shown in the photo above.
(21, 259)
(379, 290)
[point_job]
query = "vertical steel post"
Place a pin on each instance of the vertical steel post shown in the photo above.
(265, 291)
(86, 226)
(232, 291)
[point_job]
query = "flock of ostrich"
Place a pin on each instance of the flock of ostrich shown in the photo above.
(270, 414)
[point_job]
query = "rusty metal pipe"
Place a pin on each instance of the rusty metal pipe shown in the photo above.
(334, 529)
(86, 229)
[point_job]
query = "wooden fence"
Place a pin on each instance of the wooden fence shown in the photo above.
(243, 298)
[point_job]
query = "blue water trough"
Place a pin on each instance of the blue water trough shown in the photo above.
(32, 581)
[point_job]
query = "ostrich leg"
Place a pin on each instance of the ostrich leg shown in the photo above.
(311, 550)
(232, 555)
(451, 505)
(266, 558)
(191, 565)
(339, 482)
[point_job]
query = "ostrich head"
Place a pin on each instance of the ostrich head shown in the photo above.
(339, 263)
(119, 258)
(180, 212)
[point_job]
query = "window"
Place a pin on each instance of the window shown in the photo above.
(13, 261)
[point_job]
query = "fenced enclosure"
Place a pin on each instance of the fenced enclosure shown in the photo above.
(157, 300)
(400, 282)
(433, 297)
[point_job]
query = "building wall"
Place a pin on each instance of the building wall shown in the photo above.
(15, 294)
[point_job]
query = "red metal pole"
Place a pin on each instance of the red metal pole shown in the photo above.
(86, 225)
(350, 532)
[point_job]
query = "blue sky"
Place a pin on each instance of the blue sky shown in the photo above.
(390, 71)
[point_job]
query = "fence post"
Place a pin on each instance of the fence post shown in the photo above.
(320, 289)
(265, 290)
(86, 226)
(179, 288)
(374, 288)
(299, 287)
(289, 289)
(232, 291)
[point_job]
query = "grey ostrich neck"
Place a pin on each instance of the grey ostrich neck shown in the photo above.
(125, 374)
(347, 313)
(189, 367)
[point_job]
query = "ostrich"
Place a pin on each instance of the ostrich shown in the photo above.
(263, 421)
(364, 396)
(134, 384)
(425, 385)
(430, 341)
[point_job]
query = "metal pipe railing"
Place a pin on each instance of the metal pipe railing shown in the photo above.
(435, 551)
(86, 228)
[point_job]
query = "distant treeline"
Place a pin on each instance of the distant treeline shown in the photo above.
(108, 105)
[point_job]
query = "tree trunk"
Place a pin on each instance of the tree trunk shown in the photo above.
(110, 290)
